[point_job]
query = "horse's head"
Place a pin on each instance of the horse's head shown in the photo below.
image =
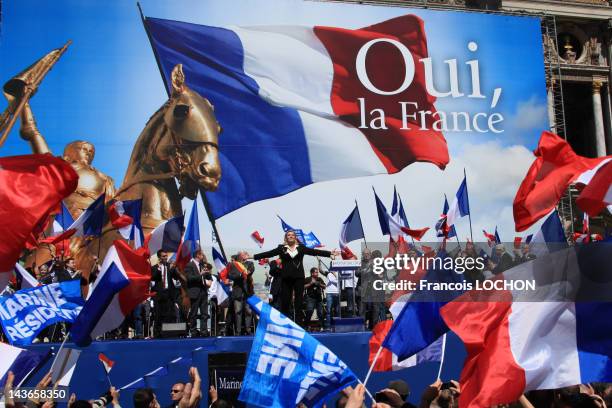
(195, 130)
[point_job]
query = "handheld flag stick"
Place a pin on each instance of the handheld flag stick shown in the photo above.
(366, 390)
(442, 357)
(361, 223)
(372, 366)
(469, 212)
(58, 352)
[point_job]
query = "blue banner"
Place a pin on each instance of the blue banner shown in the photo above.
(287, 365)
(27, 312)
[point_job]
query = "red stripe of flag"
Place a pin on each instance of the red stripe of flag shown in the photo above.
(395, 146)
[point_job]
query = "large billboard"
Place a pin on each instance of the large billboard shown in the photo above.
(285, 108)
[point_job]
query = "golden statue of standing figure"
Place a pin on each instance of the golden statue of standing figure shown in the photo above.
(80, 155)
(176, 154)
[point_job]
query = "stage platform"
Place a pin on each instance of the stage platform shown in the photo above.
(135, 358)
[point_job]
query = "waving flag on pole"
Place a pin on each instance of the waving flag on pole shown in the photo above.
(125, 217)
(352, 230)
(89, 223)
(20, 361)
(32, 187)
(106, 362)
(491, 238)
(389, 226)
(191, 240)
(123, 283)
(443, 229)
(287, 366)
(62, 220)
(256, 236)
(166, 236)
(218, 259)
(315, 93)
(597, 194)
(460, 207)
(556, 166)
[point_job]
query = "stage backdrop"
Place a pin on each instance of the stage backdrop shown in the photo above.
(318, 100)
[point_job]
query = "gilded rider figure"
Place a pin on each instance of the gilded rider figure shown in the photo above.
(80, 154)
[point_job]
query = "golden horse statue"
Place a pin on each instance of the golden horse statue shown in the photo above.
(179, 145)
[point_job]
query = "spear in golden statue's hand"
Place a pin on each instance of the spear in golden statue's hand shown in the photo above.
(19, 89)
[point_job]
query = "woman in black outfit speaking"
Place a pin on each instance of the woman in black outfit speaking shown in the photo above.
(292, 254)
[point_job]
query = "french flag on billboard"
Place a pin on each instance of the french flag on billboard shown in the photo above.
(460, 207)
(298, 85)
(123, 283)
(166, 236)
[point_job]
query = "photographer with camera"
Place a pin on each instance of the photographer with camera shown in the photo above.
(314, 297)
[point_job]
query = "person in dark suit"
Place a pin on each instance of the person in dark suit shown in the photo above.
(276, 286)
(291, 254)
(162, 275)
(198, 282)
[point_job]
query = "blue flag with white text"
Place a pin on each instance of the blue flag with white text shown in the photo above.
(24, 314)
(287, 365)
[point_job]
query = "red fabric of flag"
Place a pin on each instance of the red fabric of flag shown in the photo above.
(31, 187)
(556, 166)
(395, 145)
(385, 359)
(598, 193)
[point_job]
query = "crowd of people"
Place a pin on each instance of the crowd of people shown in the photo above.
(186, 296)
(396, 394)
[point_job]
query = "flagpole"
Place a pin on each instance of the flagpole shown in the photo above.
(442, 357)
(361, 223)
(212, 221)
(470, 212)
(372, 365)
(58, 351)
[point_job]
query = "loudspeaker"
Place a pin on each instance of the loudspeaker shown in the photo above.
(347, 324)
(173, 330)
(484, 4)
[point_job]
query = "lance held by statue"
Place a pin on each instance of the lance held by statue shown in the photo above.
(175, 155)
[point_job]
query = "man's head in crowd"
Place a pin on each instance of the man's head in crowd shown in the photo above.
(243, 256)
(366, 255)
(402, 388)
(500, 249)
(162, 256)
(198, 255)
(314, 272)
(176, 392)
(145, 398)
(70, 263)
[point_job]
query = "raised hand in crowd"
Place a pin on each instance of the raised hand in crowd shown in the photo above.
(192, 392)
(43, 384)
(115, 397)
(212, 393)
(356, 397)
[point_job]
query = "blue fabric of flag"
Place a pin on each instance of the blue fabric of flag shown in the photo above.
(311, 240)
(353, 230)
(287, 365)
(95, 220)
(173, 232)
(497, 238)
(420, 324)
(395, 204)
(381, 210)
(463, 199)
(109, 283)
(23, 365)
(192, 233)
(133, 208)
(64, 217)
(452, 232)
(264, 153)
(402, 214)
(27, 312)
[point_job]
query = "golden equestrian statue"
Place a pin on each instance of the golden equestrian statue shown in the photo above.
(179, 145)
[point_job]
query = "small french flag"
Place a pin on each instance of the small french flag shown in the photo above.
(259, 240)
(106, 362)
